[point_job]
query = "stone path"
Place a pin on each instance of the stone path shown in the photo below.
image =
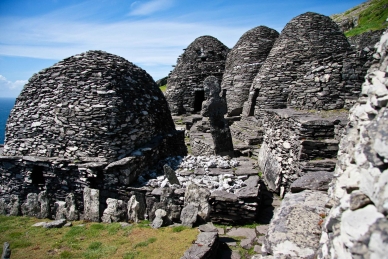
(243, 242)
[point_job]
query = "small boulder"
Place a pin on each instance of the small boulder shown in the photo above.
(170, 174)
(56, 223)
(114, 212)
(158, 220)
(189, 215)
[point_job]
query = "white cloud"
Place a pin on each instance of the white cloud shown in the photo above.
(153, 45)
(139, 8)
(9, 88)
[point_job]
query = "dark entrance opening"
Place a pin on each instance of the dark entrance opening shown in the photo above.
(199, 97)
(37, 175)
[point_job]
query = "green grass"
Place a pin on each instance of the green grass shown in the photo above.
(163, 88)
(92, 240)
(371, 19)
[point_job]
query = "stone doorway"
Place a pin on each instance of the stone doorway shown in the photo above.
(199, 97)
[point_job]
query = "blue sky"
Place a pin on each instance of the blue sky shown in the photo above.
(35, 34)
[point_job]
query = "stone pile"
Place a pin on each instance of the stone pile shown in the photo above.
(233, 186)
(357, 224)
(92, 120)
(242, 64)
(204, 57)
(311, 66)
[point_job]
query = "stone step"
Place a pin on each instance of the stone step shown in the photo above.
(247, 131)
(322, 148)
(318, 165)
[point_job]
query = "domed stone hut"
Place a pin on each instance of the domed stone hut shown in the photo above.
(92, 120)
(204, 57)
(90, 105)
(311, 66)
(243, 63)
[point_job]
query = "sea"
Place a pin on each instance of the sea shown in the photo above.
(6, 105)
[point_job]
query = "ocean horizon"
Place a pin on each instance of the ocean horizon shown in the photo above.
(6, 105)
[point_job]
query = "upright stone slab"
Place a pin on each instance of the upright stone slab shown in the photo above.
(114, 212)
(44, 205)
(170, 174)
(215, 108)
(91, 204)
(200, 197)
(31, 206)
(133, 209)
(14, 206)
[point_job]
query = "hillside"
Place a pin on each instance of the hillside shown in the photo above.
(368, 16)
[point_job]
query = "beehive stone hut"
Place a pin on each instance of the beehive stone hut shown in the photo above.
(89, 105)
(243, 63)
(92, 120)
(204, 57)
(311, 66)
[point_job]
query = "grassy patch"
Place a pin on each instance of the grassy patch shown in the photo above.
(372, 18)
(163, 88)
(178, 228)
(92, 240)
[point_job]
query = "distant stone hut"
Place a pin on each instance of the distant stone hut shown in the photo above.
(204, 57)
(92, 120)
(243, 64)
(311, 66)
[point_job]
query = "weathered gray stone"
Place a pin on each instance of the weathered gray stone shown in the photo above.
(40, 224)
(72, 212)
(170, 174)
(44, 205)
(295, 228)
(159, 216)
(208, 227)
(358, 200)
(114, 212)
(224, 196)
(56, 223)
(6, 251)
(3, 207)
(189, 214)
(215, 108)
(200, 197)
(318, 181)
(133, 208)
(91, 204)
(204, 247)
(31, 206)
(60, 208)
(247, 192)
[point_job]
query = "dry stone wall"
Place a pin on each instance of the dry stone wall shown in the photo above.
(204, 57)
(357, 225)
(93, 120)
(296, 143)
(94, 104)
(243, 63)
(311, 66)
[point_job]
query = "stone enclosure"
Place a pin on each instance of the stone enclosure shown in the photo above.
(92, 137)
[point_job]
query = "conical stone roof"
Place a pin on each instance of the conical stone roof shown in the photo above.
(94, 104)
(204, 57)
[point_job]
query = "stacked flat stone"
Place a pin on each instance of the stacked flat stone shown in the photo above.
(94, 104)
(243, 63)
(204, 57)
(357, 224)
(311, 66)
